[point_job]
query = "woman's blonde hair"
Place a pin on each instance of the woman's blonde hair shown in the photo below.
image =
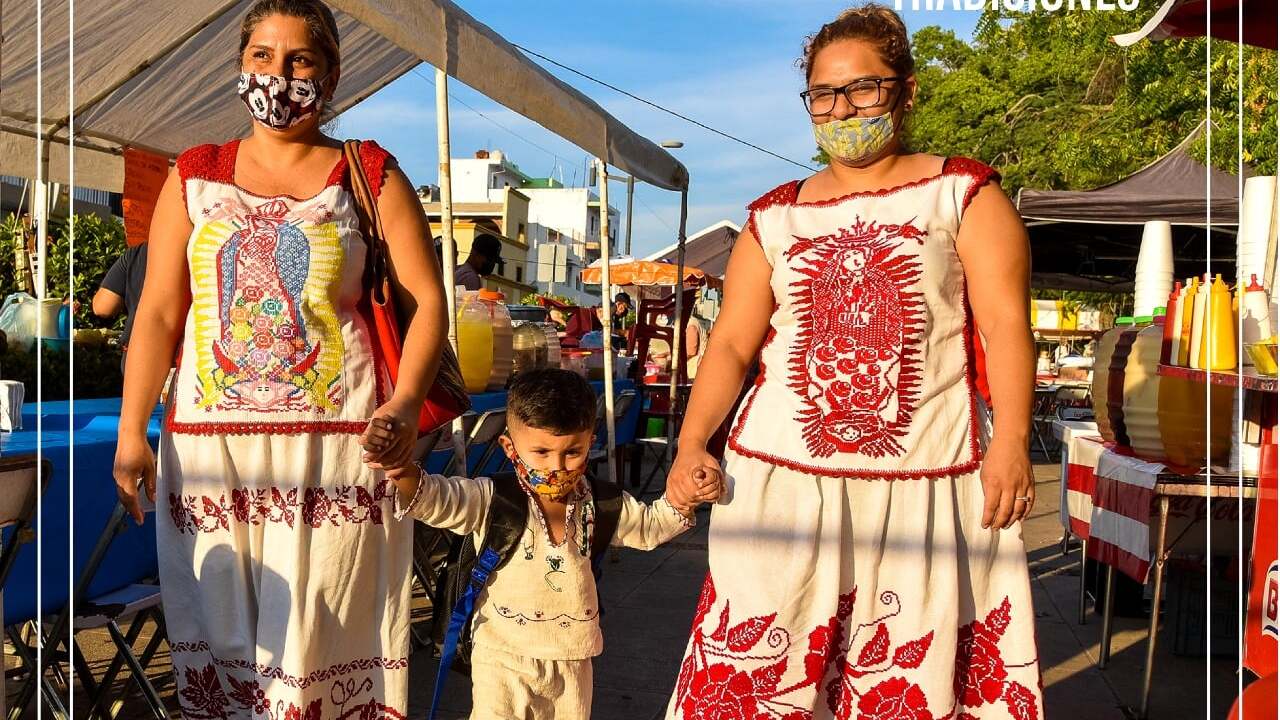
(874, 23)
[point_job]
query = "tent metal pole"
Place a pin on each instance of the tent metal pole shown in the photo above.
(606, 289)
(40, 209)
(631, 196)
(678, 329)
(447, 248)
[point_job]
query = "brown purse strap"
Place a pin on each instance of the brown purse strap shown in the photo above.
(370, 219)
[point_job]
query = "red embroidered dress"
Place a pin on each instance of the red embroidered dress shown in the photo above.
(283, 570)
(868, 352)
(850, 576)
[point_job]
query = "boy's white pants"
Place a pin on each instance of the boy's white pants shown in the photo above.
(505, 686)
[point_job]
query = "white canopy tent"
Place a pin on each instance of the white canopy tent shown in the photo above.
(159, 76)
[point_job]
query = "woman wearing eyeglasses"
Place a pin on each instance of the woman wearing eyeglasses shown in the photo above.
(867, 560)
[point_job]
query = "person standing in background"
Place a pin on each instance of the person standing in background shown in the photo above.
(121, 289)
(485, 258)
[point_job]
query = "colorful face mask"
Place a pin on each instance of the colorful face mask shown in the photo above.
(855, 139)
(279, 102)
(551, 484)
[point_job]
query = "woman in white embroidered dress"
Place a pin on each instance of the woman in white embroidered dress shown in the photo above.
(866, 560)
(283, 569)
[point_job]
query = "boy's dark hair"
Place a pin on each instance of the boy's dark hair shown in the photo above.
(558, 401)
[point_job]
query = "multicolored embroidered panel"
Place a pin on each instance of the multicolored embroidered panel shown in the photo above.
(267, 338)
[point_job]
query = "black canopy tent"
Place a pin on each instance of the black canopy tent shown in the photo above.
(1080, 238)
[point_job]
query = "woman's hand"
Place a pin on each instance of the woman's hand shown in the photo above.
(1007, 484)
(389, 439)
(135, 461)
(690, 474)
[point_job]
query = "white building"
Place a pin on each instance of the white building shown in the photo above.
(564, 222)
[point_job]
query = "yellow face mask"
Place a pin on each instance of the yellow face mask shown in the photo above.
(551, 484)
(855, 139)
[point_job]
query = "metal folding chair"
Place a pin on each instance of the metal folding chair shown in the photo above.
(484, 433)
(138, 603)
(22, 480)
(599, 449)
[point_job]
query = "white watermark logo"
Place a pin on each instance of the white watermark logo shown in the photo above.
(1017, 5)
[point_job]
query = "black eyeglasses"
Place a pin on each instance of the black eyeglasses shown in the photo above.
(861, 94)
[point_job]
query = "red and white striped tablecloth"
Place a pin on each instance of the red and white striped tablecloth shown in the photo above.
(1081, 448)
(1120, 526)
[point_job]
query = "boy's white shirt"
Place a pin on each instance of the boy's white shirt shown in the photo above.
(542, 602)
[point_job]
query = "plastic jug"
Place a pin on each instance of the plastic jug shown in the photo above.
(1218, 351)
(1183, 414)
(475, 343)
(1115, 381)
(552, 334)
(529, 347)
(1141, 397)
(500, 319)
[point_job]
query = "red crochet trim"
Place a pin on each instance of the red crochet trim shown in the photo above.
(972, 352)
(206, 162)
(979, 172)
(373, 160)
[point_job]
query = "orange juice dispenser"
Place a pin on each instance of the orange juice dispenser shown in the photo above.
(475, 343)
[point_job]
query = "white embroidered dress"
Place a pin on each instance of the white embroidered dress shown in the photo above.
(284, 573)
(850, 576)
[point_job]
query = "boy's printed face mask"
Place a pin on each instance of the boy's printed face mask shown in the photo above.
(279, 102)
(551, 484)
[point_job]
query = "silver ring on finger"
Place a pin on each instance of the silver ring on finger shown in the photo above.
(1025, 499)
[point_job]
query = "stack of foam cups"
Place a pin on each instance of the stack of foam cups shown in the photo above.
(1154, 277)
(1256, 213)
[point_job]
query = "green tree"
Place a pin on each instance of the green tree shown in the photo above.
(1052, 102)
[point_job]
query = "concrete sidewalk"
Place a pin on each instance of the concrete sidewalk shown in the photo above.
(649, 598)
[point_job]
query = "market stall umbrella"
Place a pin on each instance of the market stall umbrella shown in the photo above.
(644, 273)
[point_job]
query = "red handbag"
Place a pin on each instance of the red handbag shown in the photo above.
(447, 398)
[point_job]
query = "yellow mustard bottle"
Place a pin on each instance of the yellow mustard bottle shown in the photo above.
(1220, 346)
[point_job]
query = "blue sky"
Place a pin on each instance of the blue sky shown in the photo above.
(728, 63)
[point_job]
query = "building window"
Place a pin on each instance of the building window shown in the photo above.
(519, 274)
(520, 232)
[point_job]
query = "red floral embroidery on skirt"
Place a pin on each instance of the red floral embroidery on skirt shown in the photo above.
(734, 673)
(202, 696)
(313, 506)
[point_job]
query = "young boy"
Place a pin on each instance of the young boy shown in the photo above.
(536, 625)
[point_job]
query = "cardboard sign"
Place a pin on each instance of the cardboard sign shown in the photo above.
(144, 175)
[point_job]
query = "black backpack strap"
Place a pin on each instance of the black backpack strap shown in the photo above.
(607, 497)
(508, 515)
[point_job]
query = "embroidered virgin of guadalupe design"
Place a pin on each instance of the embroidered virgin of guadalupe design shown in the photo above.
(856, 365)
(276, 345)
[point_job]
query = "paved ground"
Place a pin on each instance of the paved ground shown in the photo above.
(649, 600)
